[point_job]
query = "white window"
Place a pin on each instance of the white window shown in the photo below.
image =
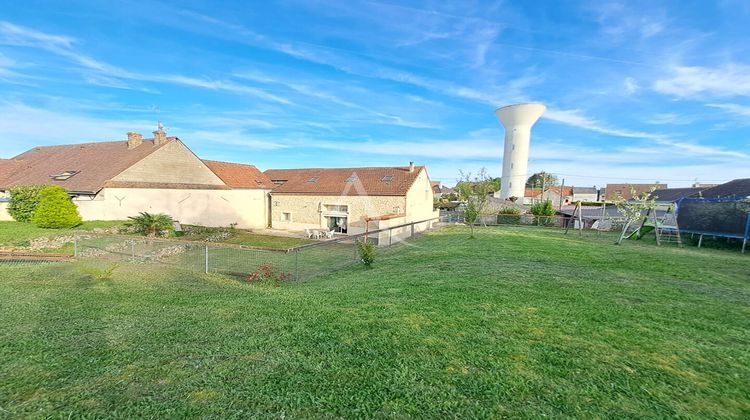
(336, 208)
(286, 217)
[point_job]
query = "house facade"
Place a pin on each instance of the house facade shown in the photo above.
(115, 180)
(556, 195)
(585, 194)
(350, 200)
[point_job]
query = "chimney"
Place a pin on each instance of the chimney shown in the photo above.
(134, 140)
(160, 136)
(411, 167)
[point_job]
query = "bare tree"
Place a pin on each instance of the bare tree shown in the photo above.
(476, 191)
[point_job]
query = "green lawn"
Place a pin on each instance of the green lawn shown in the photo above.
(520, 322)
(266, 241)
(19, 234)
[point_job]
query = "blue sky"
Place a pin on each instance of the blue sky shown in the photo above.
(636, 91)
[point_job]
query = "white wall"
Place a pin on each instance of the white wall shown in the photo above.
(247, 208)
(4, 216)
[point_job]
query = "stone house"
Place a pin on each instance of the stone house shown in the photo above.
(117, 179)
(350, 200)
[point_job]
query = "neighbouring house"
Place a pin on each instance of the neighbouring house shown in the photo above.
(625, 191)
(350, 200)
(738, 188)
(556, 194)
(586, 194)
(116, 179)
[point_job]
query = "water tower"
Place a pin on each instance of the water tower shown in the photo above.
(517, 120)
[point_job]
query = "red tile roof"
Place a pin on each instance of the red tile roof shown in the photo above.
(533, 192)
(96, 163)
(333, 181)
(240, 176)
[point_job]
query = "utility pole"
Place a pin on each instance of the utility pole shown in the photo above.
(562, 192)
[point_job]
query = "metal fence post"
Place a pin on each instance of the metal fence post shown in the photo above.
(412, 231)
(132, 251)
(75, 247)
(206, 258)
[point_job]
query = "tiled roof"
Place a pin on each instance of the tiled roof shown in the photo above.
(624, 190)
(670, 195)
(584, 190)
(240, 176)
(95, 164)
(533, 192)
(738, 188)
(394, 181)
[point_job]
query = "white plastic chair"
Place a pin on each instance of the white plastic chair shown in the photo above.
(308, 233)
(329, 234)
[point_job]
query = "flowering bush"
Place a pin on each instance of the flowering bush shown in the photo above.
(268, 273)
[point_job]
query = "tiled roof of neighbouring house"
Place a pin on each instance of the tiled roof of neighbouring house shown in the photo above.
(738, 188)
(92, 164)
(240, 176)
(670, 195)
(344, 181)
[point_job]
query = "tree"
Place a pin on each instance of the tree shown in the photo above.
(634, 210)
(23, 202)
(476, 191)
(543, 211)
(151, 224)
(55, 210)
(541, 178)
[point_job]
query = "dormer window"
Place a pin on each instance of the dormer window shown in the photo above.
(63, 176)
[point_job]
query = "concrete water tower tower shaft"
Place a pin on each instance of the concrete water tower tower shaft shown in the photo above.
(517, 120)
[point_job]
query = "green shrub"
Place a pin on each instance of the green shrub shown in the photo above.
(23, 202)
(544, 208)
(55, 210)
(366, 252)
(151, 224)
(509, 210)
(100, 274)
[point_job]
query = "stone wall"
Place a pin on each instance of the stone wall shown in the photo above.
(307, 211)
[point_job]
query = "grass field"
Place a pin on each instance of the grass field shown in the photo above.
(520, 322)
(19, 234)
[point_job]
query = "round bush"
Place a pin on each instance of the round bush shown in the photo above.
(55, 210)
(23, 202)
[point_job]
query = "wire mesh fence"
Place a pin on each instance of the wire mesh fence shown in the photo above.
(599, 221)
(300, 263)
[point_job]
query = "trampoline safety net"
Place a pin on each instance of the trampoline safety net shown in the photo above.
(721, 217)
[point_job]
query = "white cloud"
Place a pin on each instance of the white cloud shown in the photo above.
(738, 110)
(727, 80)
(108, 75)
(670, 118)
(631, 85)
(575, 118)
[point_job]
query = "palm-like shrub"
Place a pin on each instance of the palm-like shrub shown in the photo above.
(55, 209)
(151, 224)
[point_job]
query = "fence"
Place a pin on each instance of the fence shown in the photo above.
(598, 222)
(299, 263)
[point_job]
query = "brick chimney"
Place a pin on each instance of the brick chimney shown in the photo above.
(411, 167)
(160, 136)
(134, 140)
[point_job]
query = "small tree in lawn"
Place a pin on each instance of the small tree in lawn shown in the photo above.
(633, 210)
(476, 191)
(55, 210)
